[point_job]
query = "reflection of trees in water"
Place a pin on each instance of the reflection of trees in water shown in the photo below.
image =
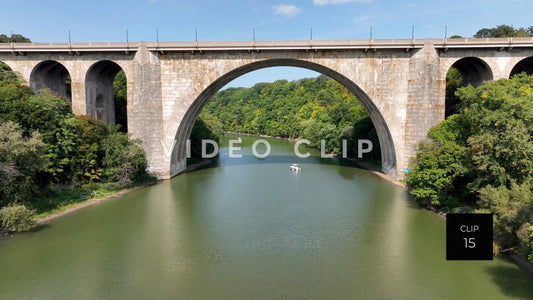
(512, 281)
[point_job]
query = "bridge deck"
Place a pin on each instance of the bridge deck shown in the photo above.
(507, 43)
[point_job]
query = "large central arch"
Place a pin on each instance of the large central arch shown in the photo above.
(388, 153)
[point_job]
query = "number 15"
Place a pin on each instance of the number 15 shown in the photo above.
(470, 242)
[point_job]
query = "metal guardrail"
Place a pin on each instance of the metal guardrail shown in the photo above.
(405, 44)
(287, 45)
(512, 42)
(68, 47)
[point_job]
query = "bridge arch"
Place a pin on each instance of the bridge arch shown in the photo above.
(99, 94)
(524, 65)
(462, 72)
(474, 70)
(4, 68)
(388, 152)
(53, 75)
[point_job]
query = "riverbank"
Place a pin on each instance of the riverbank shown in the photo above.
(519, 259)
(84, 203)
(88, 201)
(516, 256)
(262, 135)
(376, 170)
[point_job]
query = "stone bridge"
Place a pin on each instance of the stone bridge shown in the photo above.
(400, 82)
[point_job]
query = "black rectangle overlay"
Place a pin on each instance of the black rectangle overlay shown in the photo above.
(469, 237)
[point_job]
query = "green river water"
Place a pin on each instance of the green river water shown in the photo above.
(251, 229)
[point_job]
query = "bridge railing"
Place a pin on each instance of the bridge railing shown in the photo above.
(508, 43)
(68, 47)
(284, 45)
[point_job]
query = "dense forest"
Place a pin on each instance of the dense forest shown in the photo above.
(312, 108)
(481, 159)
(50, 157)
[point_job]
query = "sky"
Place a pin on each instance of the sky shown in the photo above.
(107, 21)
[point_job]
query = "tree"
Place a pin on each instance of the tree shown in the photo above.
(124, 158)
(503, 31)
(310, 108)
(60, 131)
(454, 80)
(482, 156)
(483, 33)
(525, 236)
(330, 135)
(364, 129)
(14, 38)
(512, 208)
(120, 93)
(205, 127)
(89, 155)
(311, 130)
(439, 166)
(21, 158)
(7, 76)
(499, 116)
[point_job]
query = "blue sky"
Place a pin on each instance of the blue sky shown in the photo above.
(98, 20)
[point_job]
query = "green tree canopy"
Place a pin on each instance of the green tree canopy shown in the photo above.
(482, 157)
(21, 158)
(312, 108)
(504, 31)
(14, 38)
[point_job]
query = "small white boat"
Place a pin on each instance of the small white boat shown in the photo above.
(295, 168)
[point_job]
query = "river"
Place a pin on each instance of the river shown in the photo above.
(250, 228)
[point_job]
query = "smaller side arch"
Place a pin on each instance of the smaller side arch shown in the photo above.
(474, 70)
(52, 75)
(4, 70)
(464, 71)
(525, 65)
(99, 92)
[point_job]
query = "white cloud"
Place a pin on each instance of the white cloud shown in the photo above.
(151, 1)
(326, 2)
(361, 18)
(411, 5)
(286, 10)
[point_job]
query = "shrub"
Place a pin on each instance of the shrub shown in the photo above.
(17, 218)
(20, 159)
(512, 208)
(124, 158)
(87, 162)
(436, 170)
(525, 236)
